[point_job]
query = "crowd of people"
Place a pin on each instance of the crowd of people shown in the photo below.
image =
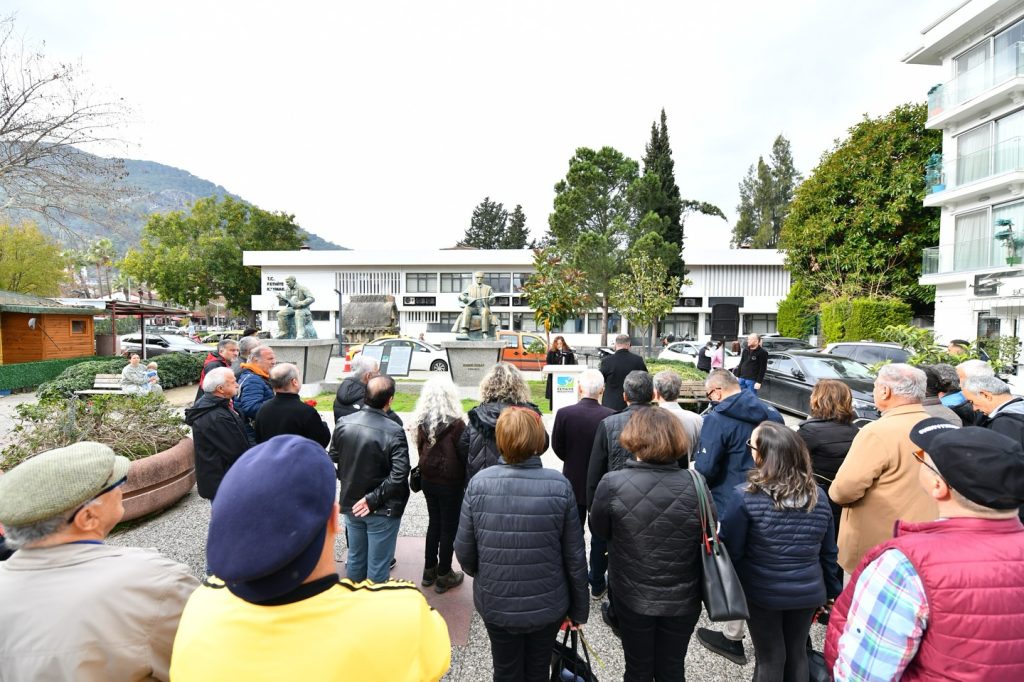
(901, 534)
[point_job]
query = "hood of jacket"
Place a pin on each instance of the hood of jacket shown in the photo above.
(745, 407)
(202, 406)
(484, 417)
(351, 391)
(1014, 406)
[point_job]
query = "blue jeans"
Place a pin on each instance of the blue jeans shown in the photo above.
(748, 385)
(371, 546)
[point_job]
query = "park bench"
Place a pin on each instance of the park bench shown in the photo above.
(104, 384)
(693, 393)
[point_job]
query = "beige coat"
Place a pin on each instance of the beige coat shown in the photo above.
(88, 612)
(878, 484)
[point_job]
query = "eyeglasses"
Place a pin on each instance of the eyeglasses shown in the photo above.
(95, 497)
(751, 445)
(919, 456)
(707, 394)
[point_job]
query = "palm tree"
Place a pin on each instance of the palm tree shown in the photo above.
(102, 253)
(77, 261)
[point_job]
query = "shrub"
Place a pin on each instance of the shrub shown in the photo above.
(869, 316)
(32, 374)
(125, 325)
(133, 426)
(797, 313)
(175, 369)
(834, 315)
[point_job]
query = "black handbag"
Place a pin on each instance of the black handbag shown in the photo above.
(721, 590)
(816, 669)
(566, 663)
(415, 480)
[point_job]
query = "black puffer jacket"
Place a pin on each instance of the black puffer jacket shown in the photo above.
(648, 514)
(373, 461)
(477, 445)
(607, 453)
(828, 442)
(220, 438)
(520, 538)
(349, 398)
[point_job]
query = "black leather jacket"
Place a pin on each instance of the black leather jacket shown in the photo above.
(373, 461)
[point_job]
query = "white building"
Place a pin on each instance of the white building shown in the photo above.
(976, 266)
(426, 285)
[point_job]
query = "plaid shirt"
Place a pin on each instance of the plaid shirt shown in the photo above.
(887, 618)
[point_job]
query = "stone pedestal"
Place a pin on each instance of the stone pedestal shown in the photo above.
(469, 361)
(311, 356)
(563, 385)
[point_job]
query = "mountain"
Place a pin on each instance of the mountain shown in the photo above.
(148, 187)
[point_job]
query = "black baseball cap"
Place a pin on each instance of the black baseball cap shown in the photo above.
(984, 466)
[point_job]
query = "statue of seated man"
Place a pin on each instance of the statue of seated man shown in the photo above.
(477, 299)
(294, 320)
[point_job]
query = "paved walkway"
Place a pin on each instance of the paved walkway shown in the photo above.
(180, 533)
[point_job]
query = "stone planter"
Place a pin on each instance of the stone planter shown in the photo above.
(157, 482)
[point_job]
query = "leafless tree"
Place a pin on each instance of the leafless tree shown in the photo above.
(47, 115)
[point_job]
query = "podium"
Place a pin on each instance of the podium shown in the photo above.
(563, 384)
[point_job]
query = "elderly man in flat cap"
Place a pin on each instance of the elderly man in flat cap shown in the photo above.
(72, 607)
(275, 609)
(942, 600)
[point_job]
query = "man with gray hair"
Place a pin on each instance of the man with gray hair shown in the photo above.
(218, 431)
(666, 393)
(73, 607)
(877, 484)
(285, 413)
(958, 401)
(615, 368)
(1003, 412)
(246, 345)
(572, 439)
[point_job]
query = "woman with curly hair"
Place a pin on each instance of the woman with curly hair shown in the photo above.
(778, 530)
(502, 387)
(436, 426)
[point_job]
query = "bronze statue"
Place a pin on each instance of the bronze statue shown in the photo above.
(476, 300)
(294, 319)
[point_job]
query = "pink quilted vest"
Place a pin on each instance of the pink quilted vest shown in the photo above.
(973, 576)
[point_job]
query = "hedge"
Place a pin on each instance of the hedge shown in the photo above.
(31, 374)
(861, 319)
(796, 316)
(175, 369)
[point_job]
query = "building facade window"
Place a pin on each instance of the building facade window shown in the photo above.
(759, 323)
(594, 323)
(447, 318)
(421, 282)
(77, 326)
(455, 282)
(499, 281)
(519, 280)
(974, 246)
(988, 326)
(321, 315)
(358, 282)
(679, 325)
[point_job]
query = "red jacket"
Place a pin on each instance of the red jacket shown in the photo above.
(973, 575)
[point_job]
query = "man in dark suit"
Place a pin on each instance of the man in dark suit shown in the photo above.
(615, 367)
(285, 413)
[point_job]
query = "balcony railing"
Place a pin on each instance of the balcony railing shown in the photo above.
(1005, 64)
(1004, 157)
(975, 254)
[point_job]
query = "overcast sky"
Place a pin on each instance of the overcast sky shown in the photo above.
(382, 124)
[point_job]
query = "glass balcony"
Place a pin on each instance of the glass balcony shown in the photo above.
(975, 254)
(1001, 67)
(1005, 157)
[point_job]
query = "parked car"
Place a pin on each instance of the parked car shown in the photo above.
(517, 347)
(774, 344)
(425, 357)
(869, 352)
(687, 351)
(159, 344)
(791, 377)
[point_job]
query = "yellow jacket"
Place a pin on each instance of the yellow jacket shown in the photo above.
(361, 631)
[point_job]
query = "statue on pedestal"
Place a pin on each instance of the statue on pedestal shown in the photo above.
(294, 319)
(476, 320)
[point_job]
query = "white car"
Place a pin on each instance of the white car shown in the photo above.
(425, 357)
(686, 351)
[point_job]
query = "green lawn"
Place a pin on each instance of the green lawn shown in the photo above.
(406, 402)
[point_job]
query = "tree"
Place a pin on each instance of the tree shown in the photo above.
(644, 292)
(102, 255)
(517, 234)
(487, 226)
(666, 201)
(30, 263)
(77, 262)
(765, 197)
(556, 290)
(194, 257)
(857, 225)
(592, 218)
(46, 115)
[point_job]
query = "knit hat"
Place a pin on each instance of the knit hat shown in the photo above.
(984, 466)
(57, 481)
(269, 518)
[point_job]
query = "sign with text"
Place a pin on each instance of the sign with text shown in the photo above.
(273, 284)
